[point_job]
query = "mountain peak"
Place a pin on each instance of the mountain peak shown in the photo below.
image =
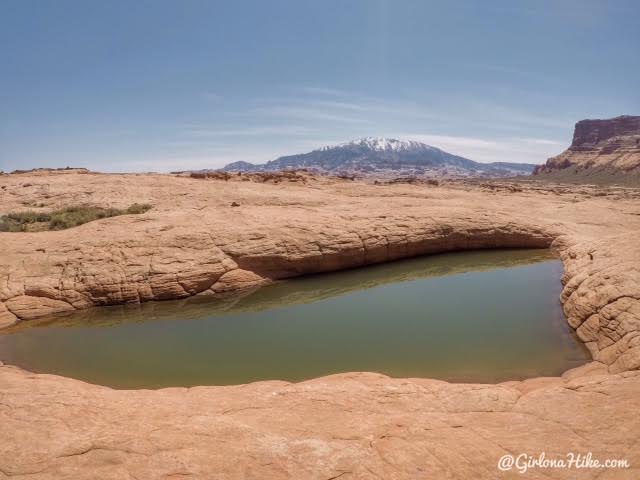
(382, 144)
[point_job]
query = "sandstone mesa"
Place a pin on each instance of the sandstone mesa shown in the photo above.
(357, 425)
(606, 149)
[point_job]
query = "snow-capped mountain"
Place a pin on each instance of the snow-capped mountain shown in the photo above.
(382, 144)
(386, 156)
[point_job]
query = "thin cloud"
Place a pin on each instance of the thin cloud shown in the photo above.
(363, 110)
(308, 113)
(464, 142)
(540, 141)
(370, 110)
(217, 155)
(263, 128)
(287, 130)
(509, 116)
(505, 69)
(518, 150)
(212, 97)
(330, 92)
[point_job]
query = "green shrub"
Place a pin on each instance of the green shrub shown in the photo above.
(62, 219)
(137, 208)
(29, 217)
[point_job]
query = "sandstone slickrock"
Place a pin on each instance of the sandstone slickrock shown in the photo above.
(349, 426)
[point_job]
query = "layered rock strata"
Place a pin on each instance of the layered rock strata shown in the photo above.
(600, 148)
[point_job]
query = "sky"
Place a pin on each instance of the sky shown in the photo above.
(173, 85)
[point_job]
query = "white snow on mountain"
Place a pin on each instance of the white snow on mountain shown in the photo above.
(383, 156)
(382, 144)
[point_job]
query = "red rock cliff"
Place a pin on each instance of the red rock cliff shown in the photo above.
(611, 145)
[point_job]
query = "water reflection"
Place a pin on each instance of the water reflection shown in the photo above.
(300, 290)
(473, 316)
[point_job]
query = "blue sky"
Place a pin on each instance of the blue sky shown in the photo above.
(169, 85)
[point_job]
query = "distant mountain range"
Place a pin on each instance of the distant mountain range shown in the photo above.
(386, 157)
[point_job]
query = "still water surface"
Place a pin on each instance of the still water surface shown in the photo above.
(481, 316)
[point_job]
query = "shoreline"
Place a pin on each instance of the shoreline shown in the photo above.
(300, 291)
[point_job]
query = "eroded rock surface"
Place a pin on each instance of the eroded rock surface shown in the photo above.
(362, 426)
(193, 242)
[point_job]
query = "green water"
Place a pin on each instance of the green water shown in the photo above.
(473, 316)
